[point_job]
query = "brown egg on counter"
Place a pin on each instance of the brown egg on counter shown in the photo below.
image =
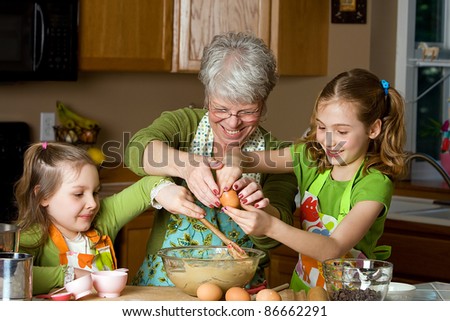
(237, 294)
(230, 198)
(268, 295)
(317, 293)
(209, 292)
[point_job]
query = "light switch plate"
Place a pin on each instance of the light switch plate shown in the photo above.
(47, 132)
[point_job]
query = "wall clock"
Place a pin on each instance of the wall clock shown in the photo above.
(348, 11)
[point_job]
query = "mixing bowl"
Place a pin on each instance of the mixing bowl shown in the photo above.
(190, 266)
(109, 284)
(357, 279)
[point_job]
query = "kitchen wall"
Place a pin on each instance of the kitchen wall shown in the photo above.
(126, 102)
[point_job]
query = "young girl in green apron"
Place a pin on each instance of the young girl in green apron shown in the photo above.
(64, 225)
(345, 166)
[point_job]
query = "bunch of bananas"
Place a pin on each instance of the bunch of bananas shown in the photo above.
(75, 128)
(70, 119)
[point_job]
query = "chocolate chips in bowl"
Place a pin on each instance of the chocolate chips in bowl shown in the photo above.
(357, 279)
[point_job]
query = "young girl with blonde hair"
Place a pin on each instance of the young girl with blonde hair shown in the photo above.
(65, 226)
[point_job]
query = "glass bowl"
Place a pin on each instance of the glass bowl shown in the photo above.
(357, 279)
(190, 266)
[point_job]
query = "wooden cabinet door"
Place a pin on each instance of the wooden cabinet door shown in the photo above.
(197, 21)
(299, 36)
(131, 243)
(129, 35)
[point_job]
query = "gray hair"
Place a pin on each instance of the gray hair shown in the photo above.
(239, 68)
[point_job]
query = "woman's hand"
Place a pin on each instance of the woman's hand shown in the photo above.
(231, 170)
(161, 159)
(250, 192)
(200, 180)
(179, 200)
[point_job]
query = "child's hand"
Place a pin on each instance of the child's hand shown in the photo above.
(178, 200)
(251, 220)
(250, 192)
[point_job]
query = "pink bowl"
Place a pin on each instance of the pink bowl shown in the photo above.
(109, 284)
(80, 287)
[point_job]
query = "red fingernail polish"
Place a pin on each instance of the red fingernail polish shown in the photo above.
(217, 204)
(240, 195)
(211, 206)
(256, 206)
(244, 201)
(216, 192)
(236, 187)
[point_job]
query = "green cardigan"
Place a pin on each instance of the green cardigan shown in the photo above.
(177, 129)
(115, 211)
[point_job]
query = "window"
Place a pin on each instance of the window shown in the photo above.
(424, 82)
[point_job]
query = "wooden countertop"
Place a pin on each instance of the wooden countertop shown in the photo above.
(160, 293)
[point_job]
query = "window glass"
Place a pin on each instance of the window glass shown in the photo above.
(429, 111)
(429, 20)
(429, 28)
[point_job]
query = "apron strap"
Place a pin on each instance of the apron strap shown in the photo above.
(60, 243)
(344, 206)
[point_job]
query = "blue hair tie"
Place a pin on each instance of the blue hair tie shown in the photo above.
(385, 86)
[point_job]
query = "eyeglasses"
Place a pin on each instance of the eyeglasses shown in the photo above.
(244, 115)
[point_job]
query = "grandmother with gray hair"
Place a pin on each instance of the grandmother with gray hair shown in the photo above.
(187, 145)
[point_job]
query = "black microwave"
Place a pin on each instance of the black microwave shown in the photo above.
(38, 40)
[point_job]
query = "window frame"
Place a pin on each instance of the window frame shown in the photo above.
(406, 67)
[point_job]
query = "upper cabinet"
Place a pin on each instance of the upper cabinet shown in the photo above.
(169, 35)
(296, 30)
(197, 21)
(126, 35)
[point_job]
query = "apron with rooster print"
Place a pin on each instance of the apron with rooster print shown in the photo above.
(308, 271)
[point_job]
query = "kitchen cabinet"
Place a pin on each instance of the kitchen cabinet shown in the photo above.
(131, 243)
(296, 30)
(125, 35)
(420, 252)
(169, 35)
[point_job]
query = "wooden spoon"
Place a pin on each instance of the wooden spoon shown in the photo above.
(234, 249)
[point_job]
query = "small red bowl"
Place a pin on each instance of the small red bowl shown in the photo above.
(61, 296)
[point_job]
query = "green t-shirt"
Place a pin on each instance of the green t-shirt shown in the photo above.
(374, 186)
